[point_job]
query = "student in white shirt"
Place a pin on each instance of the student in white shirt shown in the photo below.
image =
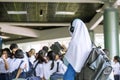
(31, 55)
(38, 63)
(13, 48)
(4, 64)
(60, 65)
(116, 67)
(15, 63)
(50, 66)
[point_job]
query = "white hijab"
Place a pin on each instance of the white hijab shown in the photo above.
(79, 46)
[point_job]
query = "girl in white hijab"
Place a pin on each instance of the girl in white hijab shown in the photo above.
(78, 50)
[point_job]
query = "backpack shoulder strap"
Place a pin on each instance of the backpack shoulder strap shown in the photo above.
(20, 64)
(57, 67)
(35, 65)
(34, 72)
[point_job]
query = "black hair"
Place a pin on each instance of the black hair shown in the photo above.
(56, 48)
(8, 52)
(19, 54)
(45, 48)
(40, 57)
(13, 45)
(51, 55)
(117, 58)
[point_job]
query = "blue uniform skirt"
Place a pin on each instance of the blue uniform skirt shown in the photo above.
(4, 76)
(117, 77)
(70, 73)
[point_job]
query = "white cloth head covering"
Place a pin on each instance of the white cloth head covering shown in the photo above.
(79, 46)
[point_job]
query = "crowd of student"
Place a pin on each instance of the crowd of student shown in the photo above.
(46, 63)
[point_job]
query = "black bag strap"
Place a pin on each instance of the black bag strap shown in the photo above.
(35, 68)
(57, 67)
(20, 64)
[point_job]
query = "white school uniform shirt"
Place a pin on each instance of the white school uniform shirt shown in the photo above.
(116, 68)
(39, 69)
(79, 46)
(46, 69)
(62, 67)
(2, 66)
(14, 64)
(25, 59)
(32, 59)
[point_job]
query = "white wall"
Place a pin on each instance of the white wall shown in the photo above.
(99, 41)
(39, 44)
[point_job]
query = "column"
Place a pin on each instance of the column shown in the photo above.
(111, 31)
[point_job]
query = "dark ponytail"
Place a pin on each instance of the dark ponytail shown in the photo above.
(40, 58)
(52, 65)
(51, 55)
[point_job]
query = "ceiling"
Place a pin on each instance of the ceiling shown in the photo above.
(41, 15)
(45, 12)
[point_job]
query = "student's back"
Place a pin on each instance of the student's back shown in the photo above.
(50, 66)
(38, 64)
(47, 69)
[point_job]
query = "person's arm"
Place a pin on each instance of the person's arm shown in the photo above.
(23, 65)
(19, 72)
(43, 78)
(5, 61)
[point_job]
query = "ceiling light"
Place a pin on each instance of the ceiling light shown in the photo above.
(4, 37)
(64, 13)
(99, 10)
(17, 12)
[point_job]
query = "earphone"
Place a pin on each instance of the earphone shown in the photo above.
(71, 28)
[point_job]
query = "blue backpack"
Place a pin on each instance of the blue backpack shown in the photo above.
(56, 76)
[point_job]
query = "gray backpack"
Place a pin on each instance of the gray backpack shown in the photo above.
(96, 67)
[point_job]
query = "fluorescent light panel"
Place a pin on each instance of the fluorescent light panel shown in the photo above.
(17, 12)
(64, 13)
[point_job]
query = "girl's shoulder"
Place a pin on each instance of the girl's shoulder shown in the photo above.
(59, 61)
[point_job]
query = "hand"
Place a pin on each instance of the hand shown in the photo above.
(4, 57)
